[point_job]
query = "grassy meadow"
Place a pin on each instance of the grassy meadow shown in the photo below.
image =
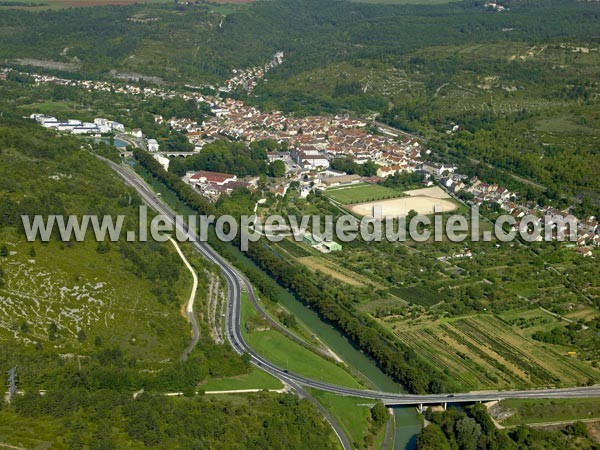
(289, 355)
(540, 411)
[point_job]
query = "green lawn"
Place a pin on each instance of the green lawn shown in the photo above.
(280, 350)
(257, 379)
(359, 193)
(539, 411)
(49, 106)
(564, 125)
(353, 414)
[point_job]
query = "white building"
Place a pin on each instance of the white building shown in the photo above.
(116, 126)
(164, 162)
(220, 112)
(86, 128)
(104, 125)
(153, 145)
(313, 162)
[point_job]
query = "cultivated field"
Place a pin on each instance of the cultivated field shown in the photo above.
(418, 294)
(316, 263)
(46, 4)
(485, 352)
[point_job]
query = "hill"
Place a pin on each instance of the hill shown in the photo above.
(87, 324)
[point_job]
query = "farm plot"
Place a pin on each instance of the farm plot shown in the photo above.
(315, 263)
(485, 352)
(416, 294)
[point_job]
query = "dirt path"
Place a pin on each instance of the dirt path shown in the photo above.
(2, 445)
(189, 308)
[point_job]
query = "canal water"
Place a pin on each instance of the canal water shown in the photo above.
(407, 420)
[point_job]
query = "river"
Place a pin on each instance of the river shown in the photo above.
(407, 419)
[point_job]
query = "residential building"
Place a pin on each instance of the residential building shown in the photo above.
(153, 145)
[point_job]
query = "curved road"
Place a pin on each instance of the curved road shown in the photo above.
(189, 307)
(235, 280)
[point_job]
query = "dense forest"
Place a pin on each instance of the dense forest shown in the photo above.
(108, 419)
(225, 157)
(312, 32)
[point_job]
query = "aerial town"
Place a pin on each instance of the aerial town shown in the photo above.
(313, 143)
(300, 224)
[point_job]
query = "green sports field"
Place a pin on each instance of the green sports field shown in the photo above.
(358, 193)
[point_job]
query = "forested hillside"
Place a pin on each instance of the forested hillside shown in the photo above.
(88, 324)
(520, 84)
(197, 40)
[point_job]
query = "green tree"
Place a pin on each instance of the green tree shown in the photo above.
(432, 438)
(277, 168)
(178, 142)
(52, 331)
(481, 416)
(379, 413)
(178, 167)
(468, 433)
(578, 429)
(103, 438)
(246, 358)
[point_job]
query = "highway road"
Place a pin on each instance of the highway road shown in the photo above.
(234, 288)
(236, 283)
